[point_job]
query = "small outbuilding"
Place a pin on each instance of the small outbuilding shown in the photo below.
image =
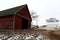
(15, 18)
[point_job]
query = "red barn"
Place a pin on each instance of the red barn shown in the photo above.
(15, 18)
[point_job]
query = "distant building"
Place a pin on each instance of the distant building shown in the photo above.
(15, 18)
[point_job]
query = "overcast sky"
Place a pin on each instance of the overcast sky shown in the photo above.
(44, 8)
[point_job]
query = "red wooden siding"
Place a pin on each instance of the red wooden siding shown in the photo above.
(29, 24)
(6, 22)
(18, 22)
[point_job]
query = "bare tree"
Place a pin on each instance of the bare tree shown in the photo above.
(34, 16)
(53, 21)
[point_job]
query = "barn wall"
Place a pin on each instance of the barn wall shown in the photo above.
(18, 22)
(6, 22)
(29, 23)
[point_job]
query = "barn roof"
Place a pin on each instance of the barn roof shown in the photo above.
(14, 10)
(10, 11)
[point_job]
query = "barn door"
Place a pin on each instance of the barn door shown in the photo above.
(24, 23)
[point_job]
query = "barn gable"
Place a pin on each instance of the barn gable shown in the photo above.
(24, 12)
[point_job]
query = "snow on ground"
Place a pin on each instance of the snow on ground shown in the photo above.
(29, 36)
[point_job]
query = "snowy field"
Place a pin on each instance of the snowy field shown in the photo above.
(23, 36)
